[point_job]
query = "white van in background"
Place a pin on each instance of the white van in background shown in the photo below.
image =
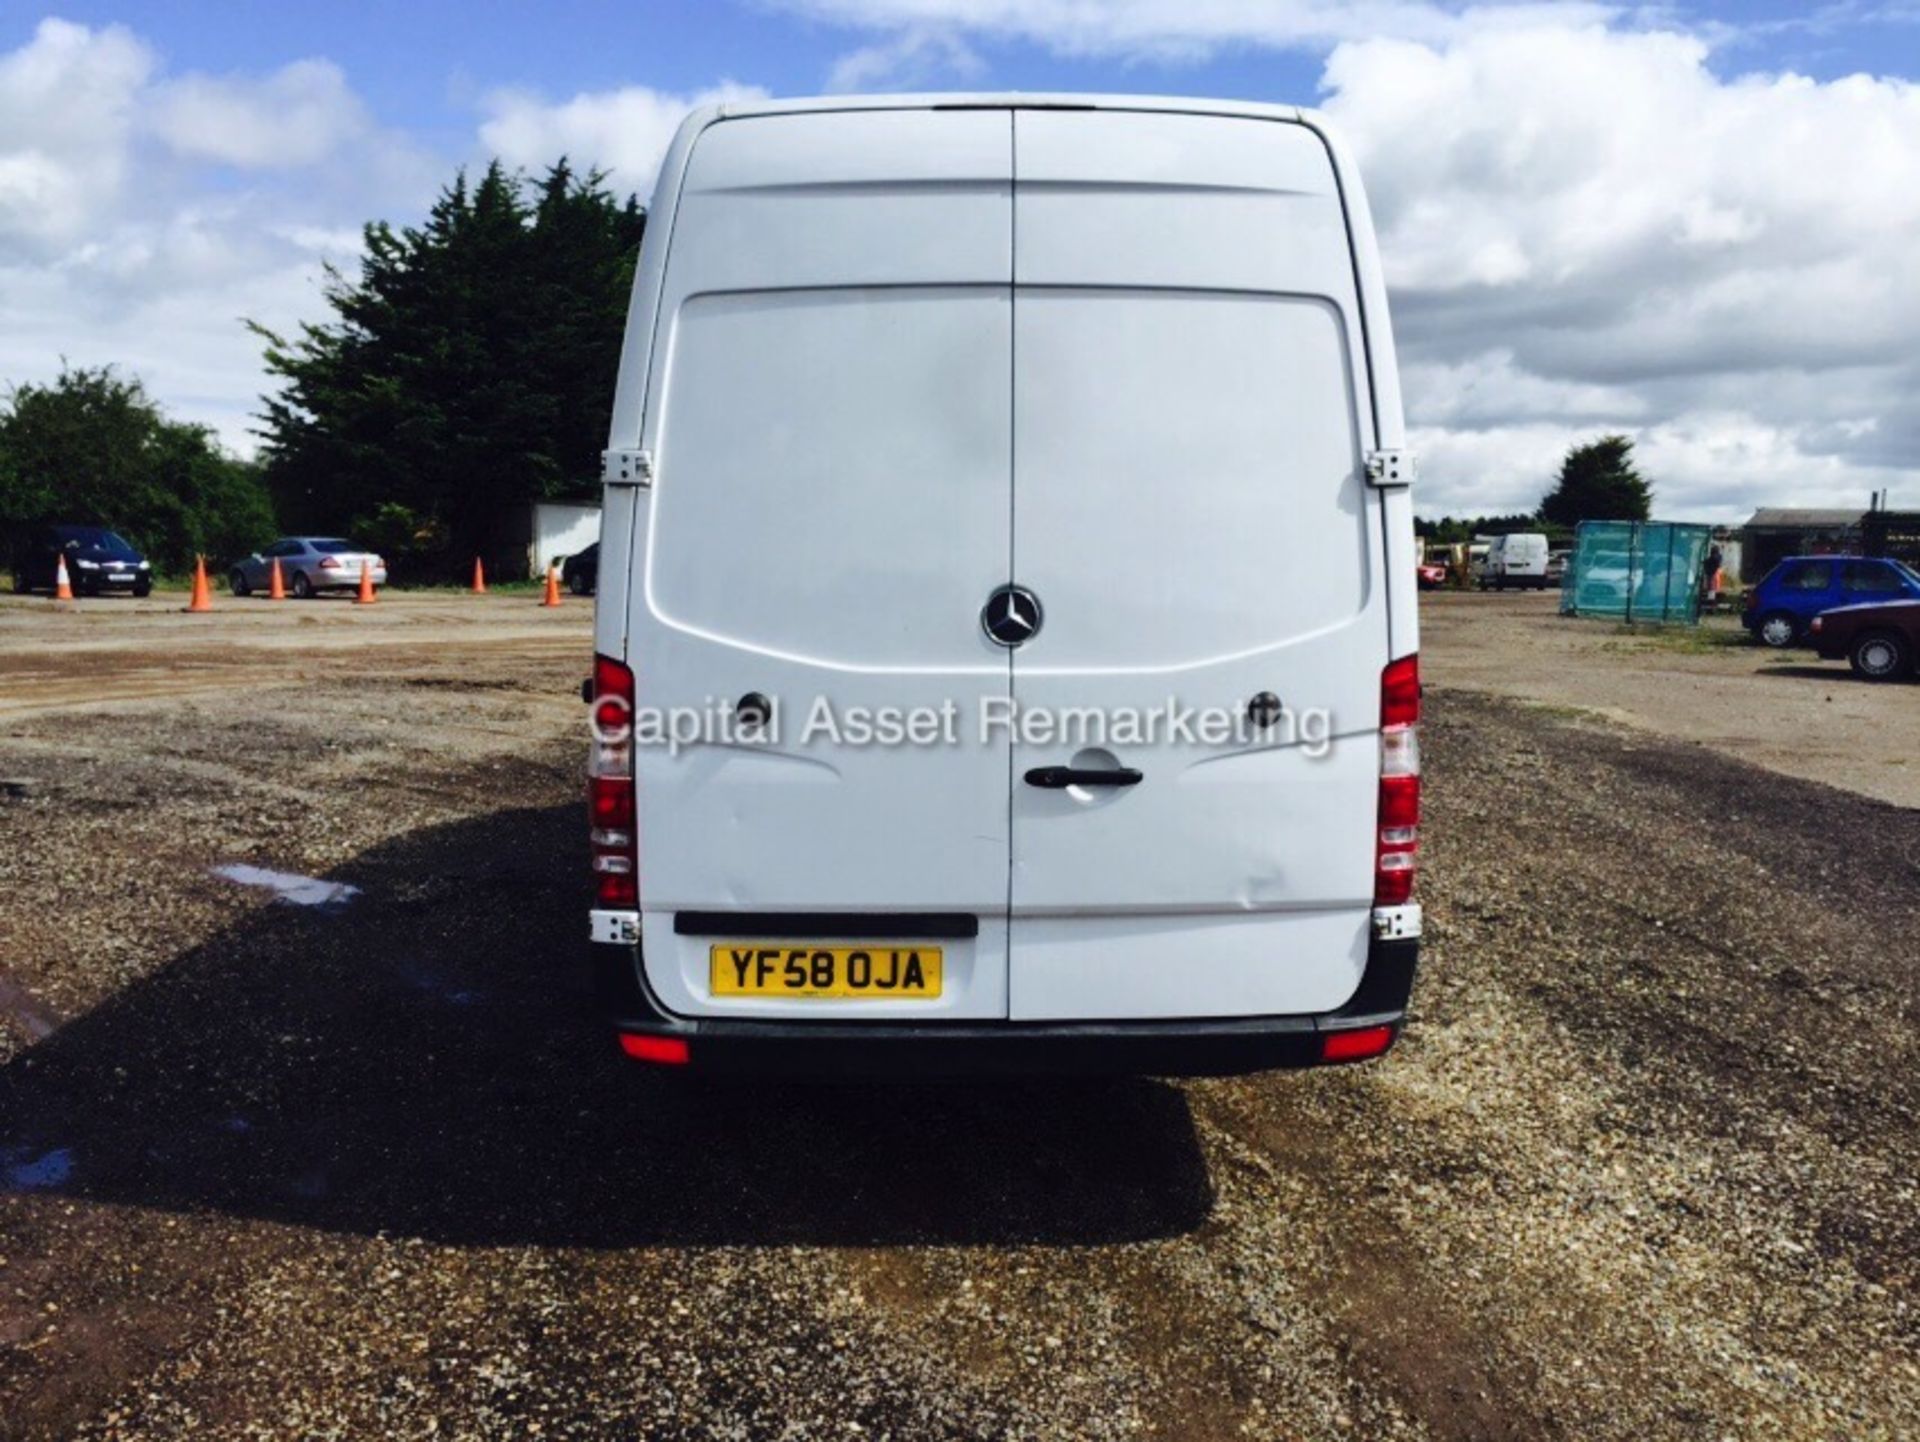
(1516, 560)
(1042, 421)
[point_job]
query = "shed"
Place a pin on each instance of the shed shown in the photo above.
(540, 534)
(1773, 533)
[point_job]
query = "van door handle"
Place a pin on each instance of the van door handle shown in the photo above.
(1058, 778)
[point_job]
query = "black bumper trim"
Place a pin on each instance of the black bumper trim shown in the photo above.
(1201, 1046)
(821, 925)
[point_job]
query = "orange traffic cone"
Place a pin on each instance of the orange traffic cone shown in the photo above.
(479, 578)
(276, 587)
(62, 583)
(366, 596)
(202, 592)
(552, 598)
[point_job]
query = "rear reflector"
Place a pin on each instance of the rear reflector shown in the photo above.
(1358, 1045)
(660, 1050)
(616, 891)
(610, 803)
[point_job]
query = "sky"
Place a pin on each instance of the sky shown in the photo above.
(1698, 224)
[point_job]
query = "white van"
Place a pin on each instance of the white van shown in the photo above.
(1516, 560)
(962, 447)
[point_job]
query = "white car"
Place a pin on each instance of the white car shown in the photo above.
(1006, 623)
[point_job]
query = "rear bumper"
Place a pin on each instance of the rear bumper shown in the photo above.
(1207, 1046)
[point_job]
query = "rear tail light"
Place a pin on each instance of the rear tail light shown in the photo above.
(1397, 838)
(329, 563)
(1400, 692)
(612, 815)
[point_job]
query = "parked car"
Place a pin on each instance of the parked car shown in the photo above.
(1516, 560)
(1557, 562)
(1780, 609)
(580, 572)
(841, 479)
(100, 562)
(1432, 575)
(1879, 640)
(308, 565)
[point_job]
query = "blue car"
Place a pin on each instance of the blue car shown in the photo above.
(1801, 587)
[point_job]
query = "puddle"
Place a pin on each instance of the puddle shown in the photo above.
(22, 1172)
(299, 890)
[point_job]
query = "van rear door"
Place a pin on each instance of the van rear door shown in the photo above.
(1190, 421)
(829, 407)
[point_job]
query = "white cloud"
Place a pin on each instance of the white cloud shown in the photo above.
(300, 114)
(1707, 465)
(1589, 227)
(145, 215)
(1179, 30)
(1489, 389)
(911, 58)
(1488, 470)
(623, 132)
(116, 247)
(67, 104)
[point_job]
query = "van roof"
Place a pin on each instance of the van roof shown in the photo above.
(1006, 100)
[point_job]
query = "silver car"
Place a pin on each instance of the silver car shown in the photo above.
(308, 564)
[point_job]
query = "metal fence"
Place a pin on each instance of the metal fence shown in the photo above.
(1636, 571)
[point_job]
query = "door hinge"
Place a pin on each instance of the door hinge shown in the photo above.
(1390, 468)
(626, 468)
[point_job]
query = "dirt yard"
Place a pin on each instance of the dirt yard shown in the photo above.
(1643, 1166)
(1786, 710)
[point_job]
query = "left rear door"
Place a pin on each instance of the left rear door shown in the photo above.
(830, 412)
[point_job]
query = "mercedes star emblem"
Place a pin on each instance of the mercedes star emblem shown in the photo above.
(1011, 616)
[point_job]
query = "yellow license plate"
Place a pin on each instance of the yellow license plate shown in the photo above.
(880, 973)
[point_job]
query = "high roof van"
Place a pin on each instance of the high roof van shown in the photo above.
(1006, 652)
(1519, 559)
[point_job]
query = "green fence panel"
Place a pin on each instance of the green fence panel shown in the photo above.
(1636, 571)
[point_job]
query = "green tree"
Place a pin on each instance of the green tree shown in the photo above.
(1598, 482)
(93, 449)
(468, 369)
(1449, 530)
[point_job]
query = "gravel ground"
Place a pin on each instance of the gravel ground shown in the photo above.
(1642, 1167)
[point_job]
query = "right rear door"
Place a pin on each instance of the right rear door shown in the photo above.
(1190, 418)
